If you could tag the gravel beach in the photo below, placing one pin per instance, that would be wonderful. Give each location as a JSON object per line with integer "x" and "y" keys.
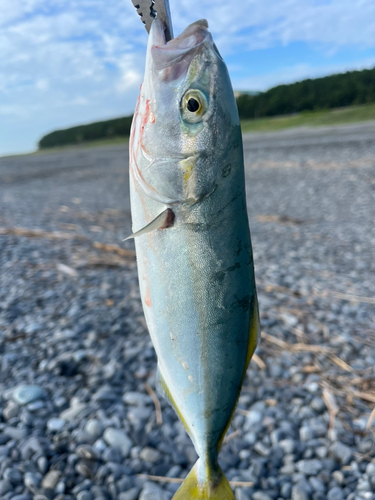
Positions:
{"x": 79, "y": 414}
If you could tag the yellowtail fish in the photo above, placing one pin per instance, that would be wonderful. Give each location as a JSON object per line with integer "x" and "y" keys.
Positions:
{"x": 192, "y": 240}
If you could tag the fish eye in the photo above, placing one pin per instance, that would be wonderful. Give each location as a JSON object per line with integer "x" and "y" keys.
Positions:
{"x": 193, "y": 106}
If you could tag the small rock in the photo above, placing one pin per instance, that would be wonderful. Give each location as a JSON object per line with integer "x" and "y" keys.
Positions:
{"x": 135, "y": 399}
{"x": 42, "y": 464}
{"x": 305, "y": 434}
{"x": 286, "y": 490}
{"x": 335, "y": 493}
{"x": 5, "y": 487}
{"x": 94, "y": 427}
{"x": 51, "y": 479}
{"x": 370, "y": 469}
{"x": 149, "y": 455}
{"x": 131, "y": 494}
{"x": 87, "y": 452}
{"x": 25, "y": 394}
{"x": 13, "y": 475}
{"x": 11, "y": 410}
{"x": 341, "y": 452}
{"x": 72, "y": 412}
{"x": 16, "y": 433}
{"x": 117, "y": 438}
{"x": 84, "y": 495}
{"x": 309, "y": 467}
{"x": 301, "y": 491}
{"x": 55, "y": 424}
{"x": 153, "y": 492}
{"x": 32, "y": 480}
{"x": 260, "y": 495}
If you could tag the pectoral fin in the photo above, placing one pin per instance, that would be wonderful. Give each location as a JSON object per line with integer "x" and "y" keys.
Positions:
{"x": 162, "y": 221}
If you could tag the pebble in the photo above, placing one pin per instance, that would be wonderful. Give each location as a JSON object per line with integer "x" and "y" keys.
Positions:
{"x": 55, "y": 424}
{"x": 25, "y": 394}
{"x": 72, "y": 412}
{"x": 118, "y": 438}
{"x": 149, "y": 455}
{"x": 51, "y": 479}
{"x": 131, "y": 494}
{"x": 341, "y": 452}
{"x": 94, "y": 427}
{"x": 32, "y": 480}
{"x": 5, "y": 486}
{"x": 335, "y": 493}
{"x": 309, "y": 467}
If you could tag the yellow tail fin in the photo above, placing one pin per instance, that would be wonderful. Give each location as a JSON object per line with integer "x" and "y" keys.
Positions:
{"x": 218, "y": 489}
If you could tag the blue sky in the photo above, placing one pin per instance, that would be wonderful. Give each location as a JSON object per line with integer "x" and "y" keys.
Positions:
{"x": 66, "y": 62}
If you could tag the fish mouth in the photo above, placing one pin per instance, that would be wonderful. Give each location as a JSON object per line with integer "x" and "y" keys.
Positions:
{"x": 182, "y": 48}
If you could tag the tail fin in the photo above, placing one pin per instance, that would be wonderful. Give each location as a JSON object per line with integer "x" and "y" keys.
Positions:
{"x": 217, "y": 489}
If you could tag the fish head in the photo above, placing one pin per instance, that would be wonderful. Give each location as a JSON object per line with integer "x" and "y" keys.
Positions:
{"x": 185, "y": 118}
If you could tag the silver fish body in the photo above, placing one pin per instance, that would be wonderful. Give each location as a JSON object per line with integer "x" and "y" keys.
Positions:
{"x": 195, "y": 268}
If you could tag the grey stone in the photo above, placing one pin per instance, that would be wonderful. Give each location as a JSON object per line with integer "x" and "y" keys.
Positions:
{"x": 131, "y": 494}
{"x": 135, "y": 399}
{"x": 73, "y": 412}
{"x": 317, "y": 484}
{"x": 301, "y": 491}
{"x": 84, "y": 495}
{"x": 35, "y": 406}
{"x": 32, "y": 480}
{"x": 149, "y": 455}
{"x": 87, "y": 452}
{"x": 341, "y": 452}
{"x": 4, "y": 451}
{"x": 13, "y": 475}
{"x": 118, "y": 438}
{"x": 335, "y": 493}
{"x": 55, "y": 424}
{"x": 152, "y": 492}
{"x": 309, "y": 467}
{"x": 60, "y": 488}
{"x": 25, "y": 394}
{"x": 305, "y": 434}
{"x": 16, "y": 433}
{"x": 318, "y": 404}
{"x": 42, "y": 464}
{"x": 370, "y": 469}
{"x": 260, "y": 495}
{"x": 21, "y": 497}
{"x": 11, "y": 410}
{"x": 254, "y": 417}
{"x": 94, "y": 427}
{"x": 112, "y": 455}
{"x": 51, "y": 479}
{"x": 5, "y": 487}
{"x": 288, "y": 445}
{"x": 286, "y": 490}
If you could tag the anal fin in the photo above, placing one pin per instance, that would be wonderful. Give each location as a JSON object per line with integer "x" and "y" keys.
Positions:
{"x": 166, "y": 393}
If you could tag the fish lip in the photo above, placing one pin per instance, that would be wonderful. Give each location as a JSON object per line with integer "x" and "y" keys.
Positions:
{"x": 167, "y": 54}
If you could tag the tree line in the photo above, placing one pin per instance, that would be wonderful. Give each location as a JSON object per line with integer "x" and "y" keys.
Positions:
{"x": 345, "y": 89}
{"x": 117, "y": 127}
{"x": 334, "y": 91}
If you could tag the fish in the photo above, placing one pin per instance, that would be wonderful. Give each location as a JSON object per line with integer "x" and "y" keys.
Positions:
{"x": 192, "y": 238}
